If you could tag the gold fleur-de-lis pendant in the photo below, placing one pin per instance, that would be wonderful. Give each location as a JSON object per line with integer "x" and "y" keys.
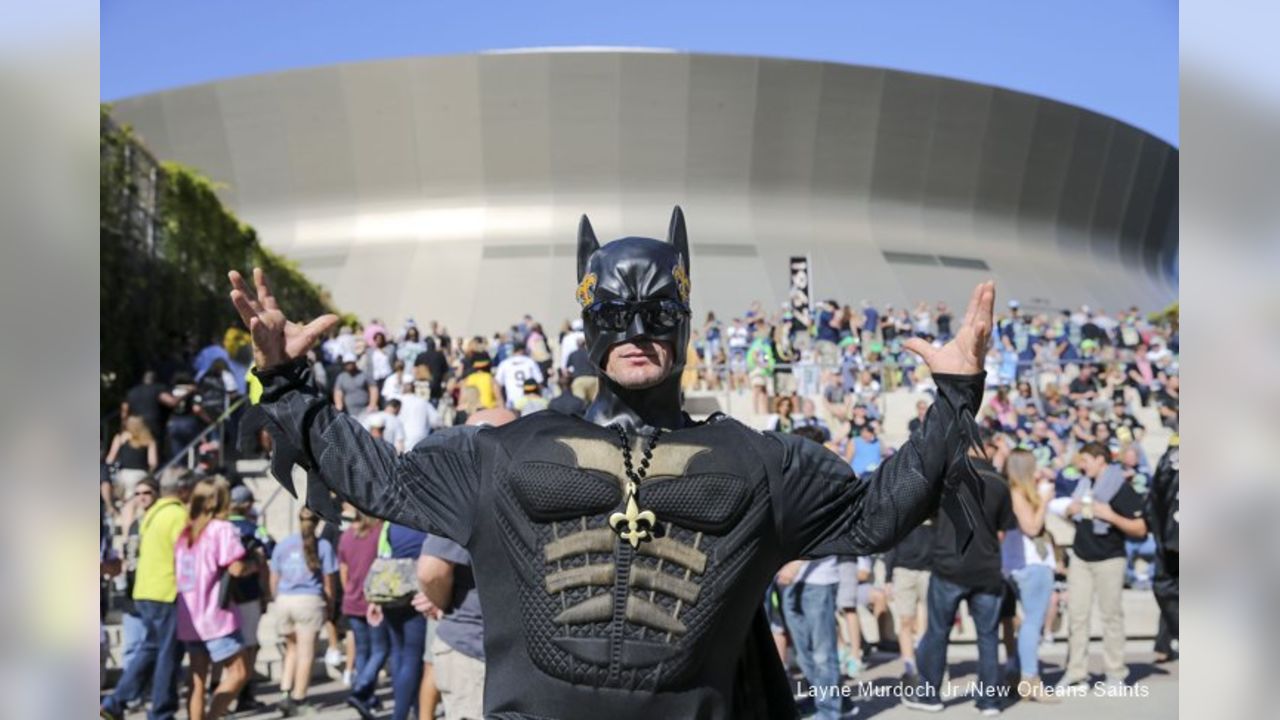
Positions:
{"x": 634, "y": 525}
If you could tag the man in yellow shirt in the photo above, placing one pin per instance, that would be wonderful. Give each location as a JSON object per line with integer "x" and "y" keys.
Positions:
{"x": 154, "y": 591}
{"x": 483, "y": 381}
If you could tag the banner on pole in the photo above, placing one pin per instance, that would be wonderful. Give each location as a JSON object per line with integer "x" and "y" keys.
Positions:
{"x": 800, "y": 293}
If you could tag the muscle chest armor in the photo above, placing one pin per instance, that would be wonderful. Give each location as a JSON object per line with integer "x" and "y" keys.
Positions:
{"x": 628, "y": 604}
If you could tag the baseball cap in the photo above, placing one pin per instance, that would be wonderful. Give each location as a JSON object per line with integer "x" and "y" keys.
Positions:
{"x": 1013, "y": 303}
{"x": 377, "y": 421}
{"x": 576, "y": 325}
{"x": 481, "y": 360}
{"x": 241, "y": 494}
{"x": 348, "y": 357}
{"x": 530, "y": 386}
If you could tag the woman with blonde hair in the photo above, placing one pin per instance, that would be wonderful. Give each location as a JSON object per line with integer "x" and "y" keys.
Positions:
{"x": 1028, "y": 560}
{"x": 302, "y": 582}
{"x": 135, "y": 449}
{"x": 208, "y": 549}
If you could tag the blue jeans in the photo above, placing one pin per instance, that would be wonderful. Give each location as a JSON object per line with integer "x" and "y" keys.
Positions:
{"x": 158, "y": 657}
{"x": 931, "y": 655}
{"x": 1134, "y": 549}
{"x": 132, "y": 631}
{"x": 810, "y": 611}
{"x": 1035, "y": 587}
{"x": 408, "y": 630}
{"x": 372, "y": 648}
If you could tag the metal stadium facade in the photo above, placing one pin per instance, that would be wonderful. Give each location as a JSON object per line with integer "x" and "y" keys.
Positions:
{"x": 450, "y": 187}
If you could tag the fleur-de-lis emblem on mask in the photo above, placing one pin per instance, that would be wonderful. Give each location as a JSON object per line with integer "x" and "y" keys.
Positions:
{"x": 587, "y": 289}
{"x": 682, "y": 281}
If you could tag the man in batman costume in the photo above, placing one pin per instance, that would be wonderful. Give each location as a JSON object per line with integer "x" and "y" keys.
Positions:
{"x": 621, "y": 559}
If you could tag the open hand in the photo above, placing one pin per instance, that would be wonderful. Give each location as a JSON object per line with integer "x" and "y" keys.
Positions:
{"x": 967, "y": 351}
{"x": 276, "y": 340}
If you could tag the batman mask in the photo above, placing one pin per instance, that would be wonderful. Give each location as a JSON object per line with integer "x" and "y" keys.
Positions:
{"x": 634, "y": 287}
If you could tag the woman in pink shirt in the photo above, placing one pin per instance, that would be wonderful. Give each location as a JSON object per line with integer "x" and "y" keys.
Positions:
{"x": 208, "y": 548}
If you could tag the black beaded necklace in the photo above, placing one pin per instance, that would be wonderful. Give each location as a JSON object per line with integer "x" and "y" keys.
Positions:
{"x": 632, "y": 474}
{"x": 635, "y": 525}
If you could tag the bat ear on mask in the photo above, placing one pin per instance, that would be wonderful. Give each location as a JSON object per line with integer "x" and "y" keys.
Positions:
{"x": 677, "y": 236}
{"x": 587, "y": 244}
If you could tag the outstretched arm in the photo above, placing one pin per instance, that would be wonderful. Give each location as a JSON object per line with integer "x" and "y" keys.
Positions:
{"x": 823, "y": 509}
{"x": 431, "y": 488}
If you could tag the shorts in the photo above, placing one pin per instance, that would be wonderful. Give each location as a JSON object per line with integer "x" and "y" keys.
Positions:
{"x": 428, "y": 656}
{"x": 217, "y": 649}
{"x": 784, "y": 383}
{"x": 299, "y": 613}
{"x": 126, "y": 481}
{"x": 910, "y": 590}
{"x": 460, "y": 679}
{"x": 250, "y": 617}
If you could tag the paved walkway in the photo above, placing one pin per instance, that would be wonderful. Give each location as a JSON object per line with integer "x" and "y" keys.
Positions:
{"x": 1153, "y": 693}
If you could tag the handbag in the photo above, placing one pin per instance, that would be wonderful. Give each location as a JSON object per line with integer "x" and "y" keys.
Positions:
{"x": 391, "y": 582}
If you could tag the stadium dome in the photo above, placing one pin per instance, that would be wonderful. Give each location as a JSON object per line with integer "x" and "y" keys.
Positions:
{"x": 451, "y": 187}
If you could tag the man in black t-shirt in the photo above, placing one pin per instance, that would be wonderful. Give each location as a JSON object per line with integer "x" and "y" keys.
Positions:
{"x": 150, "y": 400}
{"x": 1105, "y": 510}
{"x": 1084, "y": 388}
{"x": 972, "y": 575}
{"x": 437, "y": 366}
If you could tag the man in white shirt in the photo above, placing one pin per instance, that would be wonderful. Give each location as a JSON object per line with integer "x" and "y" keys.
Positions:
{"x": 417, "y": 415}
{"x": 512, "y": 373}
{"x": 569, "y": 343}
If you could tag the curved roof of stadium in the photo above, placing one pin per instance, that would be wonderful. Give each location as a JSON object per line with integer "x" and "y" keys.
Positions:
{"x": 450, "y": 187}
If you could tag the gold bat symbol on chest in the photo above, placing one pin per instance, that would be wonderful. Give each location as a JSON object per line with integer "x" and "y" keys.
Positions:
{"x": 633, "y": 525}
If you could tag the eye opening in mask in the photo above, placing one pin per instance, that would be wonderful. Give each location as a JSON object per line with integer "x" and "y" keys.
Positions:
{"x": 661, "y": 315}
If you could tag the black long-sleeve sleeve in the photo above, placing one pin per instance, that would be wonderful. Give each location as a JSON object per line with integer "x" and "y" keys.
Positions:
{"x": 821, "y": 508}
{"x": 430, "y": 488}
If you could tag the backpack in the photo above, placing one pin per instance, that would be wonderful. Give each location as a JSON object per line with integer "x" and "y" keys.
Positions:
{"x": 391, "y": 582}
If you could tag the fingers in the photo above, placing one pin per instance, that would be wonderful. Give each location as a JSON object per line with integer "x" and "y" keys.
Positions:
{"x": 919, "y": 347}
{"x": 319, "y": 327}
{"x": 971, "y": 310}
{"x": 238, "y": 285}
{"x": 264, "y": 290}
{"x": 244, "y": 306}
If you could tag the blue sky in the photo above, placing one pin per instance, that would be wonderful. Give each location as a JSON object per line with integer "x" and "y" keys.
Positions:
{"x": 1118, "y": 57}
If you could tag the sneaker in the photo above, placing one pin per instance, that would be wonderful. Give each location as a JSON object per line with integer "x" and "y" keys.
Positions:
{"x": 361, "y": 707}
{"x": 288, "y": 707}
{"x": 923, "y": 705}
{"x": 851, "y": 667}
{"x": 105, "y": 714}
{"x": 346, "y": 678}
{"x": 333, "y": 658}
{"x": 988, "y": 711}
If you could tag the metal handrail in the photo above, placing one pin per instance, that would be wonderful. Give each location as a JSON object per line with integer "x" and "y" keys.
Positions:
{"x": 189, "y": 451}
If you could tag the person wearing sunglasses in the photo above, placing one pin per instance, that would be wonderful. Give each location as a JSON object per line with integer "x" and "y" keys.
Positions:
{"x": 621, "y": 557}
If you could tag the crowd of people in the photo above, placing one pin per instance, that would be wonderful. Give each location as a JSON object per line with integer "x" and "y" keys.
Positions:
{"x": 1075, "y": 511}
